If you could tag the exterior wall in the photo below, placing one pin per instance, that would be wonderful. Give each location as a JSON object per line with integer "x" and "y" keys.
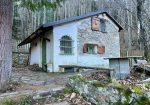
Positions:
{"x": 49, "y": 51}
{"x": 49, "y": 47}
{"x": 110, "y": 40}
{"x": 69, "y": 29}
{"x": 35, "y": 57}
{"x": 80, "y": 32}
{"x": 36, "y": 50}
{"x": 121, "y": 67}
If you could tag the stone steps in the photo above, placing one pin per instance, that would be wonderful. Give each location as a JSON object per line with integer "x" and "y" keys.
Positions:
{"x": 39, "y": 94}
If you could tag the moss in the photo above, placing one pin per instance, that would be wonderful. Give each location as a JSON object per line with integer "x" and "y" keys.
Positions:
{"x": 98, "y": 84}
{"x": 137, "y": 90}
{"x": 7, "y": 102}
{"x": 79, "y": 78}
{"x": 22, "y": 101}
{"x": 147, "y": 84}
{"x": 69, "y": 90}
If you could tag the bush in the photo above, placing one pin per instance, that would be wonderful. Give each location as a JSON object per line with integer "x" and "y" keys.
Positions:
{"x": 22, "y": 101}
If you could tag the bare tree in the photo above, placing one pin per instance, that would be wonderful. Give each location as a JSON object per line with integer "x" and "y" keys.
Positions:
{"x": 5, "y": 41}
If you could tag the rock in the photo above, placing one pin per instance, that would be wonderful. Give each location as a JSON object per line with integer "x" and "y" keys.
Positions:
{"x": 60, "y": 103}
{"x": 147, "y": 80}
{"x": 73, "y": 95}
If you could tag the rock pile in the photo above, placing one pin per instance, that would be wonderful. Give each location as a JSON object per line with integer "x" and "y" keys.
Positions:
{"x": 34, "y": 67}
{"x": 72, "y": 99}
{"x": 102, "y": 76}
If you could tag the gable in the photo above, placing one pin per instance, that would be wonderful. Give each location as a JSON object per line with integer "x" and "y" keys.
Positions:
{"x": 50, "y": 25}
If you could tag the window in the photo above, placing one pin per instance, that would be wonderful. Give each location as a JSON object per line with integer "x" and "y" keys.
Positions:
{"x": 102, "y": 25}
{"x": 93, "y": 49}
{"x": 66, "y": 45}
{"x": 90, "y": 48}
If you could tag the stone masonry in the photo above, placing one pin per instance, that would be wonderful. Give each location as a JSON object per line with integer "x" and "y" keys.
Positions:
{"x": 110, "y": 39}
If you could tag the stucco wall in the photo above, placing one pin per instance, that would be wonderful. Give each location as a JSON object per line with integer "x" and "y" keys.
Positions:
{"x": 35, "y": 57}
{"x": 49, "y": 47}
{"x": 121, "y": 67}
{"x": 36, "y": 50}
{"x": 69, "y": 29}
{"x": 110, "y": 40}
{"x": 80, "y": 32}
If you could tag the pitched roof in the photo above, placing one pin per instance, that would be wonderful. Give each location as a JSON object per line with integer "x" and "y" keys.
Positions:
{"x": 43, "y": 28}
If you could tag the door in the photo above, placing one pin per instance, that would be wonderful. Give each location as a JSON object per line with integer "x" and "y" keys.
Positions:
{"x": 44, "y": 66}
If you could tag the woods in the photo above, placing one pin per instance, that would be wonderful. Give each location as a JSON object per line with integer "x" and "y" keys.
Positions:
{"x": 6, "y": 22}
{"x": 79, "y": 52}
{"x": 131, "y": 14}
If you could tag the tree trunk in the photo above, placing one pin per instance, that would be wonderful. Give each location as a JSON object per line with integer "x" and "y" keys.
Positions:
{"x": 5, "y": 42}
{"x": 143, "y": 39}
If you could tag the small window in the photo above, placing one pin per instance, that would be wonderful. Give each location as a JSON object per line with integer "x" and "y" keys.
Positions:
{"x": 90, "y": 48}
{"x": 93, "y": 49}
{"x": 102, "y": 25}
{"x": 66, "y": 45}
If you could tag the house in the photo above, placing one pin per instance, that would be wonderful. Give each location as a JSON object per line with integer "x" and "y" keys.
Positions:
{"x": 82, "y": 41}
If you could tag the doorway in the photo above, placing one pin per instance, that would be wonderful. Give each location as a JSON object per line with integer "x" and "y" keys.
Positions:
{"x": 44, "y": 66}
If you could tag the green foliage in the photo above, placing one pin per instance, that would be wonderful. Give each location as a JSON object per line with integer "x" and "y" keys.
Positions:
{"x": 8, "y": 102}
{"x": 69, "y": 90}
{"x": 79, "y": 78}
{"x": 98, "y": 84}
{"x": 129, "y": 100}
{"x": 147, "y": 84}
{"x": 36, "y": 5}
{"x": 137, "y": 90}
{"x": 25, "y": 101}
{"x": 143, "y": 100}
{"x": 22, "y": 101}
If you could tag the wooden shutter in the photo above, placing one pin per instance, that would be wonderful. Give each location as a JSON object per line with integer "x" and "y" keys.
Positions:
{"x": 95, "y": 23}
{"x": 101, "y": 49}
{"x": 85, "y": 48}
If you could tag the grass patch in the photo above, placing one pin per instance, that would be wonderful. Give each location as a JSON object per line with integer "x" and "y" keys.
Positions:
{"x": 79, "y": 78}
{"x": 69, "y": 90}
{"x": 98, "y": 84}
{"x": 22, "y": 101}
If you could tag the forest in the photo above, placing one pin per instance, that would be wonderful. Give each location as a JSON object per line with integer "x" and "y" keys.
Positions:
{"x": 133, "y": 15}
{"x": 41, "y": 67}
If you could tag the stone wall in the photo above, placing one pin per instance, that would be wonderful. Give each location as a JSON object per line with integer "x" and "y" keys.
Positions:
{"x": 22, "y": 59}
{"x": 110, "y": 38}
{"x": 97, "y": 93}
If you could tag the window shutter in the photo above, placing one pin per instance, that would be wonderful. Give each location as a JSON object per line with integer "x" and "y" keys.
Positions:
{"x": 95, "y": 23}
{"x": 85, "y": 48}
{"x": 101, "y": 49}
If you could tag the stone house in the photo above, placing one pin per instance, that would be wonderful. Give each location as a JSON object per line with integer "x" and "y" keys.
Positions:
{"x": 80, "y": 41}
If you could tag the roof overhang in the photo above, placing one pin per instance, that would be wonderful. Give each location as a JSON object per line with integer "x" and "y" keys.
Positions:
{"x": 38, "y": 33}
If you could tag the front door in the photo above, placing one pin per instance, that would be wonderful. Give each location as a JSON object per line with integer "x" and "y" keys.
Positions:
{"x": 44, "y": 66}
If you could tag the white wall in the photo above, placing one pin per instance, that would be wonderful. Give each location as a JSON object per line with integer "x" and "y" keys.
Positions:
{"x": 35, "y": 57}
{"x": 121, "y": 67}
{"x": 110, "y": 39}
{"x": 49, "y": 47}
{"x": 36, "y": 50}
{"x": 69, "y": 29}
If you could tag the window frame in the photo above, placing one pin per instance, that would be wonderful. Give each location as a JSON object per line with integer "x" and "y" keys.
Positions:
{"x": 87, "y": 48}
{"x": 68, "y": 48}
{"x": 103, "y": 25}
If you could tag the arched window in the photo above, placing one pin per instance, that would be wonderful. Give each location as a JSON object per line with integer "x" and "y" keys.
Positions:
{"x": 66, "y": 45}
